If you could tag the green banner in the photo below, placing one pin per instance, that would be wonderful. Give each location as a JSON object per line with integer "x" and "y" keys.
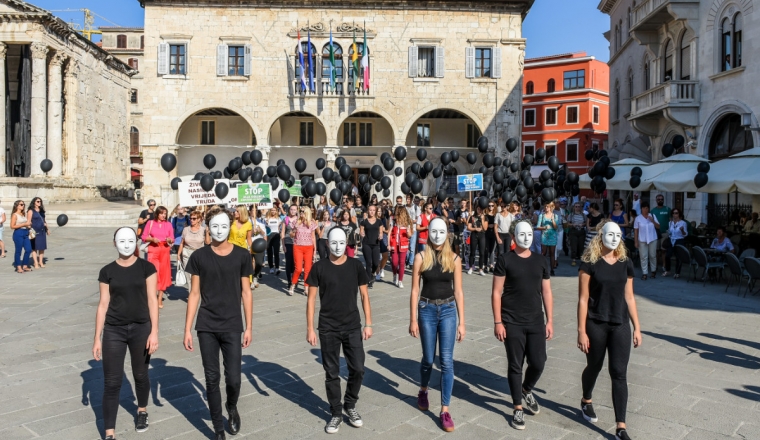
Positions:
{"x": 295, "y": 190}
{"x": 250, "y": 193}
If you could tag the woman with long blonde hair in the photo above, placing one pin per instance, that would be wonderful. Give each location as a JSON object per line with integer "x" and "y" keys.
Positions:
{"x": 400, "y": 234}
{"x": 606, "y": 308}
{"x": 304, "y": 248}
{"x": 434, "y": 312}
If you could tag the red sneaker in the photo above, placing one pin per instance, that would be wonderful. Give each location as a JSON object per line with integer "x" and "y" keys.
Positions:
{"x": 422, "y": 401}
{"x": 446, "y": 423}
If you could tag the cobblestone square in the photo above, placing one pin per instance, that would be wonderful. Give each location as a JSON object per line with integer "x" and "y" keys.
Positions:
{"x": 695, "y": 377}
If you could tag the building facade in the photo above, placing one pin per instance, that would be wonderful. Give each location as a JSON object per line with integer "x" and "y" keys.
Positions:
{"x": 565, "y": 108}
{"x": 683, "y": 68}
{"x": 64, "y": 99}
{"x": 226, "y": 77}
{"x": 128, "y": 44}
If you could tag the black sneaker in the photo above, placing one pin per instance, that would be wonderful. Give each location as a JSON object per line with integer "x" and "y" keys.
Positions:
{"x": 622, "y": 434}
{"x": 529, "y": 400}
{"x": 110, "y": 437}
{"x": 587, "y": 409}
{"x": 354, "y": 419}
{"x": 141, "y": 425}
{"x": 233, "y": 419}
{"x": 220, "y": 436}
{"x": 333, "y": 425}
{"x": 518, "y": 420}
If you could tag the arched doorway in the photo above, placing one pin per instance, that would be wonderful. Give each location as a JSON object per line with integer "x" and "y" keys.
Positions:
{"x": 365, "y": 129}
{"x": 298, "y": 129}
{"x": 446, "y": 128}
{"x": 218, "y": 131}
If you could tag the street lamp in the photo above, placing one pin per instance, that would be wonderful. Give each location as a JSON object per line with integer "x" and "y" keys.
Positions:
{"x": 747, "y": 122}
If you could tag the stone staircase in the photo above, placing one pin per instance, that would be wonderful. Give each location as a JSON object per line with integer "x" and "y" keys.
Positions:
{"x": 94, "y": 215}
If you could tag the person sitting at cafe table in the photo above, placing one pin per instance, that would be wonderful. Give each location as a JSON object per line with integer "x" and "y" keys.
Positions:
{"x": 752, "y": 225}
{"x": 721, "y": 243}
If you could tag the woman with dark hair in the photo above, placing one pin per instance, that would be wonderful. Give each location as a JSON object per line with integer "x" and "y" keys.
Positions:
{"x": 619, "y": 216}
{"x": 36, "y": 215}
{"x": 159, "y": 236}
{"x": 372, "y": 231}
{"x": 20, "y": 225}
{"x": 593, "y": 219}
{"x": 345, "y": 223}
{"x": 127, "y": 317}
{"x": 677, "y": 232}
{"x": 384, "y": 215}
{"x": 477, "y": 224}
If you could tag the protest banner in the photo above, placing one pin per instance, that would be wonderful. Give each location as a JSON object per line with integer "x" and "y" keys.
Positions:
{"x": 259, "y": 194}
{"x": 191, "y": 194}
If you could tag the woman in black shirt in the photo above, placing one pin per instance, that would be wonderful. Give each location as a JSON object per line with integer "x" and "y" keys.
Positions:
{"x": 127, "y": 317}
{"x": 345, "y": 223}
{"x": 372, "y": 232}
{"x": 434, "y": 311}
{"x": 593, "y": 219}
{"x": 477, "y": 225}
{"x": 605, "y": 306}
{"x": 490, "y": 235}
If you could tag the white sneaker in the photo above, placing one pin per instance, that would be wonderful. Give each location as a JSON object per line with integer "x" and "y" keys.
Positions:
{"x": 377, "y": 277}
{"x": 292, "y": 290}
{"x": 469, "y": 271}
{"x": 382, "y": 274}
{"x": 395, "y": 279}
{"x": 271, "y": 270}
{"x": 400, "y": 285}
{"x": 482, "y": 273}
{"x": 255, "y": 283}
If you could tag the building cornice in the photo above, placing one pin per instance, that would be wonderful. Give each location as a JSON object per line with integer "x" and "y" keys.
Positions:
{"x": 566, "y": 92}
{"x": 605, "y": 6}
{"x": 558, "y": 62}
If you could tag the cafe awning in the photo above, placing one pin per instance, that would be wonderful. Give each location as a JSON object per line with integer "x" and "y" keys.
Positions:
{"x": 659, "y": 175}
{"x": 740, "y": 172}
{"x": 622, "y": 175}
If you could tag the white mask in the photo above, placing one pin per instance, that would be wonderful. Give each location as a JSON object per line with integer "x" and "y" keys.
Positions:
{"x": 126, "y": 241}
{"x": 611, "y": 235}
{"x": 437, "y": 231}
{"x": 524, "y": 235}
{"x": 336, "y": 240}
{"x": 219, "y": 227}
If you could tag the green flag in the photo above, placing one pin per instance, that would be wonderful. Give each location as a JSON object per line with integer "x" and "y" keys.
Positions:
{"x": 332, "y": 63}
{"x": 355, "y": 61}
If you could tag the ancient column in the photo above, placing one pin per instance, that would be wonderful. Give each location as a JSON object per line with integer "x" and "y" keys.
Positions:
{"x": 55, "y": 115}
{"x": 265, "y": 150}
{"x": 69, "y": 149}
{"x": 39, "y": 105}
{"x": 3, "y": 49}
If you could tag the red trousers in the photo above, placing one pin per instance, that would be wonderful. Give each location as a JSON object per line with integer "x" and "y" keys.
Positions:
{"x": 303, "y": 257}
{"x": 398, "y": 259}
{"x": 160, "y": 256}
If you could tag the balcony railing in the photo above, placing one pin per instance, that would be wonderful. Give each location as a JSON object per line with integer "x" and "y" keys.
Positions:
{"x": 669, "y": 94}
{"x": 322, "y": 88}
{"x": 653, "y": 11}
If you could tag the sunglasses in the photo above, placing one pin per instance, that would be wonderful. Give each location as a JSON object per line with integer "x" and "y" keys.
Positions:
{"x": 152, "y": 205}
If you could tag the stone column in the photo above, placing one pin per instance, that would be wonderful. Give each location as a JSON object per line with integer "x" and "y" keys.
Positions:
{"x": 39, "y": 104}
{"x": 398, "y": 180}
{"x": 3, "y": 50}
{"x": 55, "y": 115}
{"x": 331, "y": 153}
{"x": 265, "y": 151}
{"x": 69, "y": 149}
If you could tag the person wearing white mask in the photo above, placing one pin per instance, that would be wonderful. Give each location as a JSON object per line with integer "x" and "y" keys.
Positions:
{"x": 336, "y": 280}
{"x": 606, "y": 306}
{"x": 435, "y": 310}
{"x": 220, "y": 282}
{"x": 127, "y": 317}
{"x": 521, "y": 297}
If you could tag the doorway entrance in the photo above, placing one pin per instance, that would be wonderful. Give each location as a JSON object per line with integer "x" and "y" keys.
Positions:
{"x": 355, "y": 180}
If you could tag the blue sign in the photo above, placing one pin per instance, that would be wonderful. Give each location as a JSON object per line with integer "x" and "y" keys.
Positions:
{"x": 469, "y": 182}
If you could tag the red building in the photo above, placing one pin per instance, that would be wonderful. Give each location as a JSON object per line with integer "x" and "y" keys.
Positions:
{"x": 565, "y": 107}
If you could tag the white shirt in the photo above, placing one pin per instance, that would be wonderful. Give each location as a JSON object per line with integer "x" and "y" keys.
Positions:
{"x": 2, "y": 211}
{"x": 674, "y": 229}
{"x": 637, "y": 206}
{"x": 647, "y": 231}
{"x": 504, "y": 222}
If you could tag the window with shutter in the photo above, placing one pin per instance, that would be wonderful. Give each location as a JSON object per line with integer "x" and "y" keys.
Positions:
{"x": 236, "y": 60}
{"x": 121, "y": 41}
{"x": 496, "y": 64}
{"x": 177, "y": 59}
{"x": 439, "y": 62}
{"x": 469, "y": 63}
{"x": 208, "y": 132}
{"x": 163, "y": 59}
{"x": 247, "y": 60}
{"x": 221, "y": 60}
{"x": 413, "y": 54}
{"x": 483, "y": 62}
{"x": 426, "y": 62}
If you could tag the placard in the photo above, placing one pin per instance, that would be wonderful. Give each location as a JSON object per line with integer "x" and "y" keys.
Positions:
{"x": 259, "y": 194}
{"x": 191, "y": 194}
{"x": 295, "y": 190}
{"x": 469, "y": 182}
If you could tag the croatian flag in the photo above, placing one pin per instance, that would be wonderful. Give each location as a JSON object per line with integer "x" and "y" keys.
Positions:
{"x": 300, "y": 61}
{"x": 312, "y": 87}
{"x": 365, "y": 60}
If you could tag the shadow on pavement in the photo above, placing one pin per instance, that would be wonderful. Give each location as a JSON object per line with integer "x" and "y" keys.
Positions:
{"x": 751, "y": 344}
{"x": 179, "y": 387}
{"x": 711, "y": 352}
{"x": 92, "y": 393}
{"x": 750, "y": 392}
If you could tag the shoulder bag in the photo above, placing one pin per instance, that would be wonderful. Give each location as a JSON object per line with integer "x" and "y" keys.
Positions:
{"x": 144, "y": 246}
{"x": 180, "y": 278}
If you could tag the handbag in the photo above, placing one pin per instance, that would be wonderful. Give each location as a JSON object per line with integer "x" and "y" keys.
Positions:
{"x": 32, "y": 234}
{"x": 144, "y": 246}
{"x": 180, "y": 278}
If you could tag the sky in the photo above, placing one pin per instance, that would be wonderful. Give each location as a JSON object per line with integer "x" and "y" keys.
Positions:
{"x": 551, "y": 27}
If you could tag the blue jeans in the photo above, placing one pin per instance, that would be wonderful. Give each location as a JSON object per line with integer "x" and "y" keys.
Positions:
{"x": 438, "y": 323}
{"x": 21, "y": 241}
{"x": 410, "y": 252}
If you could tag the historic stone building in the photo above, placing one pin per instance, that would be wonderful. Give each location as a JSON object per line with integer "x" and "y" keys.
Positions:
{"x": 221, "y": 76}
{"x": 64, "y": 99}
{"x": 683, "y": 67}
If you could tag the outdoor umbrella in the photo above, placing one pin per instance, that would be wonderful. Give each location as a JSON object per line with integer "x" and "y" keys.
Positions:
{"x": 622, "y": 175}
{"x": 740, "y": 172}
{"x": 662, "y": 174}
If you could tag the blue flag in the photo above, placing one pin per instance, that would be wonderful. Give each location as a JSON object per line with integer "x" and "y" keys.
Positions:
{"x": 311, "y": 67}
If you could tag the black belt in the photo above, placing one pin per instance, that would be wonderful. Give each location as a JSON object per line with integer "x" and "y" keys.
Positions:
{"x": 438, "y": 302}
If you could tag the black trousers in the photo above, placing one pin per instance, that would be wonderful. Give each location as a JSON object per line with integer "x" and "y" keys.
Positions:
{"x": 506, "y": 244}
{"x": 116, "y": 340}
{"x": 371, "y": 259}
{"x": 477, "y": 241}
{"x": 577, "y": 238}
{"x": 614, "y": 339}
{"x": 524, "y": 342}
{"x": 290, "y": 263}
{"x": 353, "y": 351}
{"x": 273, "y": 250}
{"x": 258, "y": 259}
{"x": 323, "y": 249}
{"x": 672, "y": 250}
{"x": 490, "y": 246}
{"x": 230, "y": 346}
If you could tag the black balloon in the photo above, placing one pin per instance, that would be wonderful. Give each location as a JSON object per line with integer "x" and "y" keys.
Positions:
{"x": 235, "y": 164}
{"x": 498, "y": 176}
{"x": 168, "y": 162}
{"x": 610, "y": 173}
{"x": 700, "y": 180}
{"x": 321, "y": 188}
{"x": 703, "y": 167}
{"x": 416, "y": 168}
{"x": 600, "y": 168}
{"x": 416, "y": 186}
{"x": 257, "y": 176}
{"x": 497, "y": 161}
{"x": 384, "y": 156}
{"x": 310, "y": 188}
{"x": 482, "y": 144}
{"x": 528, "y": 159}
{"x": 339, "y": 162}
{"x": 175, "y": 182}
{"x": 336, "y": 196}
{"x": 521, "y": 191}
{"x": 62, "y": 219}
{"x": 244, "y": 174}
{"x": 378, "y": 187}
{"x": 454, "y": 155}
{"x": 540, "y": 154}
{"x": 271, "y": 171}
{"x": 259, "y": 245}
{"x": 290, "y": 182}
{"x": 386, "y": 192}
{"x": 345, "y": 187}
{"x": 600, "y": 187}
{"x": 267, "y": 179}
{"x": 528, "y": 182}
{"x": 345, "y": 171}
{"x": 483, "y": 202}
{"x": 601, "y": 153}
{"x": 524, "y": 174}
{"x": 405, "y": 188}
{"x": 283, "y": 195}
{"x": 327, "y": 174}
{"x": 488, "y": 160}
{"x": 537, "y": 187}
{"x": 409, "y": 178}
{"x": 668, "y": 150}
{"x": 283, "y": 172}
{"x": 547, "y": 194}
{"x": 363, "y": 178}
{"x": 483, "y": 169}
{"x": 246, "y": 157}
{"x": 678, "y": 141}
{"x": 636, "y": 171}
{"x": 471, "y": 158}
{"x": 321, "y": 163}
{"x": 546, "y": 175}
{"x": 367, "y": 188}
{"x": 512, "y": 145}
{"x": 398, "y": 171}
{"x": 428, "y": 167}
{"x": 376, "y": 172}
{"x": 222, "y": 190}
{"x": 553, "y": 163}
{"x": 388, "y": 163}
{"x": 207, "y": 182}
{"x": 300, "y": 165}
{"x": 399, "y": 153}
{"x": 256, "y": 157}
{"x": 589, "y": 154}
{"x": 386, "y": 182}
{"x": 218, "y": 174}
{"x": 514, "y": 167}
{"x": 421, "y": 154}
{"x": 605, "y": 160}
{"x": 441, "y": 195}
{"x": 280, "y": 162}
{"x": 513, "y": 183}
{"x": 197, "y": 176}
{"x": 446, "y": 158}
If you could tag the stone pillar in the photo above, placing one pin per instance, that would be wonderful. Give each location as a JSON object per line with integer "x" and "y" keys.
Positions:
{"x": 39, "y": 105}
{"x": 3, "y": 50}
{"x": 331, "y": 153}
{"x": 55, "y": 115}
{"x": 398, "y": 180}
{"x": 69, "y": 148}
{"x": 265, "y": 150}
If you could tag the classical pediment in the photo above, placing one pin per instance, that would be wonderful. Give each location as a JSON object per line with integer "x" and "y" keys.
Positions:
{"x": 322, "y": 30}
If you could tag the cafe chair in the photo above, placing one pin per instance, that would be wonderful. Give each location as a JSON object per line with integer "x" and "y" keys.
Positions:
{"x": 736, "y": 270}
{"x": 747, "y": 253}
{"x": 704, "y": 263}
{"x": 684, "y": 256}
{"x": 753, "y": 271}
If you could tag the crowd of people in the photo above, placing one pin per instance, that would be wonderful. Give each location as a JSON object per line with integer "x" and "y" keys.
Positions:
{"x": 30, "y": 231}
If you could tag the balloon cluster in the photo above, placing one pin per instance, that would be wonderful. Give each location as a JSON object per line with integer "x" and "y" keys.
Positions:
{"x": 635, "y": 180}
{"x": 671, "y": 148}
{"x": 700, "y": 179}
{"x": 601, "y": 171}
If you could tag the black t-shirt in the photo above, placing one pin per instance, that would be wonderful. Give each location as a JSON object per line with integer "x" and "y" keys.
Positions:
{"x": 129, "y": 293}
{"x": 594, "y": 221}
{"x": 475, "y": 222}
{"x": 360, "y": 210}
{"x": 144, "y": 215}
{"x": 453, "y": 216}
{"x": 491, "y": 219}
{"x": 350, "y": 229}
{"x": 221, "y": 288}
{"x": 437, "y": 284}
{"x": 371, "y": 231}
{"x": 338, "y": 285}
{"x": 606, "y": 300}
{"x": 522, "y": 300}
